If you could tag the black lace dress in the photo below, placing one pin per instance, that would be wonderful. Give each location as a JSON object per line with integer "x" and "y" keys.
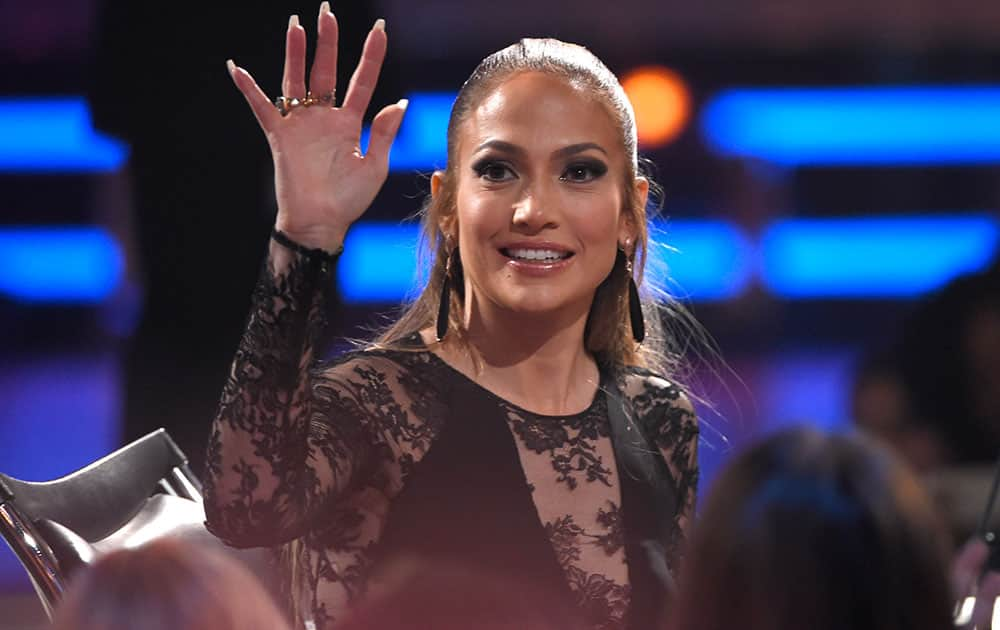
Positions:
{"x": 390, "y": 453}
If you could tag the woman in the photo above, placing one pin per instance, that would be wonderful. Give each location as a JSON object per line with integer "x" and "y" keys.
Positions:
{"x": 807, "y": 530}
{"x": 166, "y": 585}
{"x": 492, "y": 423}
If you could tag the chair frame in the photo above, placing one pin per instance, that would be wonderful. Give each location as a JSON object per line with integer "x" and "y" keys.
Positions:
{"x": 31, "y": 550}
{"x": 26, "y": 541}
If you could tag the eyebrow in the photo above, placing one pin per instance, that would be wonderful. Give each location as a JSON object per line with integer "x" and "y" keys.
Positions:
{"x": 509, "y": 147}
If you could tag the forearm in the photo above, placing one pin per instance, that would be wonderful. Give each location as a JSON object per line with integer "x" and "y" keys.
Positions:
{"x": 284, "y": 444}
{"x": 260, "y": 442}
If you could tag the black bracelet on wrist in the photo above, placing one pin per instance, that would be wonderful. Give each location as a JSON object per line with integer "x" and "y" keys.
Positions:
{"x": 316, "y": 254}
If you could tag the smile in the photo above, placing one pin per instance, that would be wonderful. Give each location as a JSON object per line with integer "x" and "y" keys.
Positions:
{"x": 535, "y": 255}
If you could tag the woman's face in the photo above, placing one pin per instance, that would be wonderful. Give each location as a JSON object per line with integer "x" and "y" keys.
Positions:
{"x": 539, "y": 197}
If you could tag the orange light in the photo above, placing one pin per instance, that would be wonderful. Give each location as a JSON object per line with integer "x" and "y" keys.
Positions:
{"x": 661, "y": 101}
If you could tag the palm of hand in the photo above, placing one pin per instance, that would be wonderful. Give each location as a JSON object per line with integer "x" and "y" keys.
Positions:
{"x": 323, "y": 182}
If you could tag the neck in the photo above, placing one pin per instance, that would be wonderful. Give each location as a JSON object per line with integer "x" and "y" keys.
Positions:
{"x": 537, "y": 361}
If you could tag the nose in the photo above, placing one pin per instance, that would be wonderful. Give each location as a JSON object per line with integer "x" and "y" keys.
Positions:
{"x": 533, "y": 212}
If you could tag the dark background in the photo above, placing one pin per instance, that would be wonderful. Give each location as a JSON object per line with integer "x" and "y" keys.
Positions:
{"x": 193, "y": 205}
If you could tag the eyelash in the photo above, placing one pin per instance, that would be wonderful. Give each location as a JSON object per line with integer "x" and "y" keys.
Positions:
{"x": 483, "y": 166}
{"x": 594, "y": 170}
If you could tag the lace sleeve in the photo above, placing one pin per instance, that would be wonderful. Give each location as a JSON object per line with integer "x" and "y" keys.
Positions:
{"x": 284, "y": 442}
{"x": 669, "y": 420}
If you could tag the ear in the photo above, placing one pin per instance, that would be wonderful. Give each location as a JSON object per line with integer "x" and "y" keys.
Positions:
{"x": 641, "y": 191}
{"x": 446, "y": 223}
{"x": 437, "y": 180}
{"x": 627, "y": 229}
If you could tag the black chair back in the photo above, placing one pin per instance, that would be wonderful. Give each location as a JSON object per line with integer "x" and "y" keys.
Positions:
{"x": 141, "y": 491}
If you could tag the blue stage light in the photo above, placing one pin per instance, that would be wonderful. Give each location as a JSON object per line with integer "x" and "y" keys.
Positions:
{"x": 64, "y": 265}
{"x": 857, "y": 126}
{"x": 895, "y": 257}
{"x": 421, "y": 144}
{"x": 379, "y": 263}
{"x": 54, "y": 135}
{"x": 700, "y": 259}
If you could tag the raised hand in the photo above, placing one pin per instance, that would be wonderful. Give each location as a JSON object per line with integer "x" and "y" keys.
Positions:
{"x": 322, "y": 180}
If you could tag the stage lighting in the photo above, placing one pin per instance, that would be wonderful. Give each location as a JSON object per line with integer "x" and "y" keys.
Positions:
{"x": 46, "y": 135}
{"x": 888, "y": 257}
{"x": 64, "y": 264}
{"x": 918, "y": 125}
{"x": 662, "y": 104}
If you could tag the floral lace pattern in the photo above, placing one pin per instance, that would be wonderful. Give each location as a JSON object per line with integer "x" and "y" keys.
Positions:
{"x": 316, "y": 454}
{"x": 604, "y": 601}
{"x": 569, "y": 442}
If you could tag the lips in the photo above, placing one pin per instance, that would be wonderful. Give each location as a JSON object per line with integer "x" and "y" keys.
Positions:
{"x": 537, "y": 259}
{"x": 535, "y": 254}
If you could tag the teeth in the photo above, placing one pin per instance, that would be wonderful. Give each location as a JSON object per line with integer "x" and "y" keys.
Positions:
{"x": 536, "y": 254}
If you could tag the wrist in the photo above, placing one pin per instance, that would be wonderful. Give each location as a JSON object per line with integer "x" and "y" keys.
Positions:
{"x": 317, "y": 254}
{"x": 323, "y": 238}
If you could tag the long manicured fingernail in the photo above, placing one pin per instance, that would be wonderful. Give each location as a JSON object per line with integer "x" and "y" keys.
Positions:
{"x": 230, "y": 66}
{"x": 404, "y": 103}
{"x": 380, "y": 25}
{"x": 293, "y": 21}
{"x": 324, "y": 7}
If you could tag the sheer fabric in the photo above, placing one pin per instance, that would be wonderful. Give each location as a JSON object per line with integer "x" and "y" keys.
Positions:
{"x": 320, "y": 452}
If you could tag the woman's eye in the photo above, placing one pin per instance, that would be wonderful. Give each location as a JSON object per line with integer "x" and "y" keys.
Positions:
{"x": 583, "y": 172}
{"x": 494, "y": 171}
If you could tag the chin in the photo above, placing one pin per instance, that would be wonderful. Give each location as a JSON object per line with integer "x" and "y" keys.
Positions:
{"x": 536, "y": 301}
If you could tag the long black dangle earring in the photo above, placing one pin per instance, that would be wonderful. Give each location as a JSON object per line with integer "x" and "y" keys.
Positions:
{"x": 444, "y": 306}
{"x": 634, "y": 305}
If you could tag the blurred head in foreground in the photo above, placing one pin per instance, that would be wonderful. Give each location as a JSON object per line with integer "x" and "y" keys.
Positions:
{"x": 808, "y": 530}
{"x": 167, "y": 585}
{"x": 434, "y": 595}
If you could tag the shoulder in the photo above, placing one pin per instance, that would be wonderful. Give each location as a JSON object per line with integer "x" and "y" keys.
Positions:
{"x": 659, "y": 404}
{"x": 387, "y": 388}
{"x": 416, "y": 368}
{"x": 359, "y": 362}
{"x": 646, "y": 390}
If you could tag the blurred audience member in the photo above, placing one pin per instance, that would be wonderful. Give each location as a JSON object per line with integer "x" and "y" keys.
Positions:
{"x": 935, "y": 395}
{"x": 167, "y": 584}
{"x": 882, "y": 406}
{"x": 950, "y": 365}
{"x": 414, "y": 596}
{"x": 808, "y": 530}
{"x": 970, "y": 579}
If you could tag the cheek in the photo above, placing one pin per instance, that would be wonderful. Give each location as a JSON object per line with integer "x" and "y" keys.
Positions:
{"x": 478, "y": 221}
{"x": 597, "y": 216}
{"x": 487, "y": 209}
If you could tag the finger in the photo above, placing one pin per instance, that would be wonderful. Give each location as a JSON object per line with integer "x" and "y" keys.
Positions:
{"x": 262, "y": 107}
{"x": 323, "y": 76}
{"x": 968, "y": 565}
{"x": 293, "y": 85}
{"x": 383, "y": 131}
{"x": 359, "y": 92}
{"x": 989, "y": 589}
